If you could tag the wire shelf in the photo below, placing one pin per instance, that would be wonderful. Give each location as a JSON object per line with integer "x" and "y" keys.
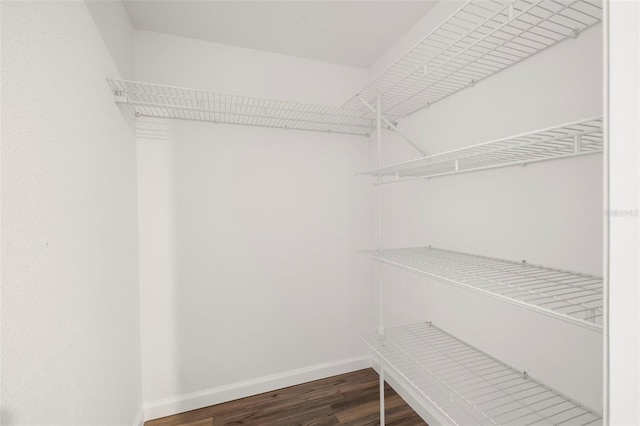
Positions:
{"x": 467, "y": 385}
{"x": 480, "y": 39}
{"x": 569, "y": 140}
{"x": 153, "y": 100}
{"x": 570, "y": 296}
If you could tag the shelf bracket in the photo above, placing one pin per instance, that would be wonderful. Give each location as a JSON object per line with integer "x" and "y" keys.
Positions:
{"x": 120, "y": 97}
{"x": 392, "y": 126}
{"x": 577, "y": 143}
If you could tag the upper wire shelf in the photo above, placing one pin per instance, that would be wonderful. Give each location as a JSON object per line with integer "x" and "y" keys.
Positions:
{"x": 568, "y": 140}
{"x": 480, "y": 39}
{"x": 154, "y": 100}
{"x": 469, "y": 387}
{"x": 570, "y": 296}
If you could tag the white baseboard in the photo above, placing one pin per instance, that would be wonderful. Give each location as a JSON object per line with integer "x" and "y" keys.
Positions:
{"x": 140, "y": 419}
{"x": 194, "y": 400}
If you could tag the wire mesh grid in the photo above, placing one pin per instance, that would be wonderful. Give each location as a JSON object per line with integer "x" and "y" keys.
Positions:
{"x": 480, "y": 39}
{"x": 574, "y": 139}
{"x": 153, "y": 100}
{"x": 469, "y": 386}
{"x": 573, "y": 297}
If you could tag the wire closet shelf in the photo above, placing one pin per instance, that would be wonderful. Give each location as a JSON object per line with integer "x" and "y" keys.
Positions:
{"x": 568, "y": 140}
{"x": 569, "y": 296}
{"x": 480, "y": 39}
{"x": 468, "y": 386}
{"x": 154, "y": 100}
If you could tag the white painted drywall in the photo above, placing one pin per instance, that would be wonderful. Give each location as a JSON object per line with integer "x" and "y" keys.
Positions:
{"x": 247, "y": 235}
{"x": 624, "y": 221}
{"x": 179, "y": 61}
{"x": 113, "y": 22}
{"x": 547, "y": 213}
{"x": 438, "y": 13}
{"x": 352, "y": 33}
{"x": 70, "y": 308}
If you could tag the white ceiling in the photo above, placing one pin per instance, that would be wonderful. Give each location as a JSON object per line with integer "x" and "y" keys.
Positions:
{"x": 354, "y": 33}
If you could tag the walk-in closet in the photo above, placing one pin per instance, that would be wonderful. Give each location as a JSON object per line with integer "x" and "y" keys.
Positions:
{"x": 320, "y": 212}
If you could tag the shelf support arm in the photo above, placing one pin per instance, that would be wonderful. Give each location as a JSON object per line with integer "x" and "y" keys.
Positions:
{"x": 392, "y": 126}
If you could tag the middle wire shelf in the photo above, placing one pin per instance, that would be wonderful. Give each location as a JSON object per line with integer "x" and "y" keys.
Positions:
{"x": 570, "y": 296}
{"x": 574, "y": 139}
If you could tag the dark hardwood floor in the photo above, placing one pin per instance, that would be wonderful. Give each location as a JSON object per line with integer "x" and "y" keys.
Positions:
{"x": 347, "y": 399}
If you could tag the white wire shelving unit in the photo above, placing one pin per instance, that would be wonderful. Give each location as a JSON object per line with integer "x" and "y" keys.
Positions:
{"x": 570, "y": 296}
{"x": 480, "y": 39}
{"x": 160, "y": 101}
{"x": 469, "y": 387}
{"x": 574, "y": 139}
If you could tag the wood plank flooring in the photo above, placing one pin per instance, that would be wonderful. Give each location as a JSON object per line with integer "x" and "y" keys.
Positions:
{"x": 347, "y": 399}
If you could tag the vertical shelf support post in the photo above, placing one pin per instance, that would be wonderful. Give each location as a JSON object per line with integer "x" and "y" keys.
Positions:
{"x": 379, "y": 242}
{"x": 379, "y": 209}
{"x": 381, "y": 392}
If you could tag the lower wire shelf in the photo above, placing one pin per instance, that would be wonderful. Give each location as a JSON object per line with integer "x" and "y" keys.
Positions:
{"x": 469, "y": 387}
{"x": 570, "y": 296}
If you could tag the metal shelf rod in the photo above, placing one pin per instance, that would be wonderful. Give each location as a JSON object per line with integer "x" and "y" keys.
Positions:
{"x": 241, "y": 114}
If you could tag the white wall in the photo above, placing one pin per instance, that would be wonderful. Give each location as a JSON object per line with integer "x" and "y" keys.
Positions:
{"x": 70, "y": 316}
{"x": 248, "y": 235}
{"x": 624, "y": 221}
{"x": 440, "y": 11}
{"x": 113, "y": 22}
{"x": 547, "y": 213}
{"x": 179, "y": 61}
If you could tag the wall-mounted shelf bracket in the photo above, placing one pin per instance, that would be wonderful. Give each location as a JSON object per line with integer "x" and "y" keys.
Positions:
{"x": 119, "y": 97}
{"x": 577, "y": 143}
{"x": 392, "y": 126}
